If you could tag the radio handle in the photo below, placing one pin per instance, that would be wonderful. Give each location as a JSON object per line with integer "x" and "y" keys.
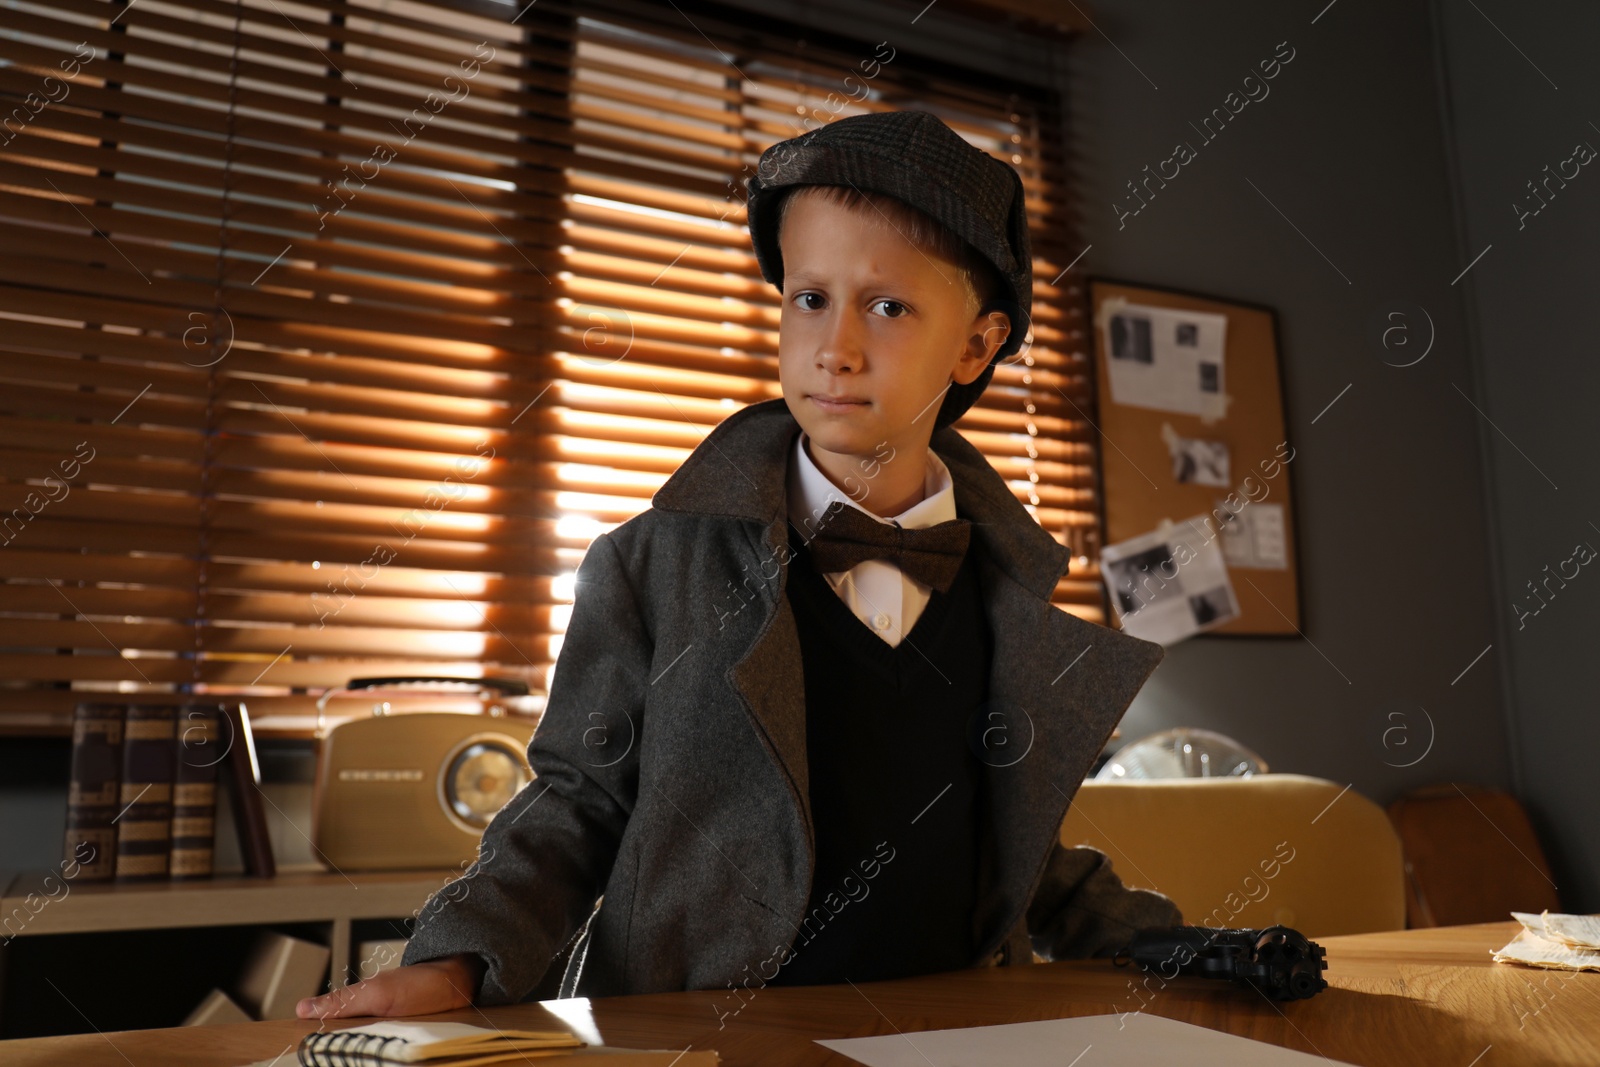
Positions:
{"x": 512, "y": 687}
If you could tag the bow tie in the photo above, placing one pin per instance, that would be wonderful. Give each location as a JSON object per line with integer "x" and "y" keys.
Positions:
{"x": 931, "y": 554}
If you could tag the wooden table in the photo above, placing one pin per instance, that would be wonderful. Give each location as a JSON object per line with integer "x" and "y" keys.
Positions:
{"x": 1409, "y": 999}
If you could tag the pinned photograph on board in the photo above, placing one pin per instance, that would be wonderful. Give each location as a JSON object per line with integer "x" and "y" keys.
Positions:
{"x": 1130, "y": 338}
{"x": 1196, "y": 461}
{"x": 1211, "y": 605}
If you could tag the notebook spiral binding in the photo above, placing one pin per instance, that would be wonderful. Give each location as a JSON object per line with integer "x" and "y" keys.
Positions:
{"x": 354, "y": 1050}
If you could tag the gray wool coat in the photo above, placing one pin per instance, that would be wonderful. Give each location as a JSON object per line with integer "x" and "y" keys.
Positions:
{"x": 671, "y": 759}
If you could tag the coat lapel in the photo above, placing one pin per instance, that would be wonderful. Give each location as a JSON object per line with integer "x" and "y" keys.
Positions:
{"x": 1057, "y": 686}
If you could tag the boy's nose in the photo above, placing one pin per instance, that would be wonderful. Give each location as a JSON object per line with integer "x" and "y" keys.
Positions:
{"x": 841, "y": 345}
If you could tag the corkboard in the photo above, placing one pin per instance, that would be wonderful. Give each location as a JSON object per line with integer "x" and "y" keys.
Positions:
{"x": 1139, "y": 487}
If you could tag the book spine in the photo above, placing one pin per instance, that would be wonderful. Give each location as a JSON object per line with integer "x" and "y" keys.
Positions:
{"x": 194, "y": 790}
{"x": 144, "y": 828}
{"x": 92, "y": 794}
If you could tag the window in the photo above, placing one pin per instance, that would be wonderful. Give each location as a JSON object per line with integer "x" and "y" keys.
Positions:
{"x": 332, "y": 331}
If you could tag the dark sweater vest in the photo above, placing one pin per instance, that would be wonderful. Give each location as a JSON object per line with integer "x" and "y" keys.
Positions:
{"x": 893, "y": 782}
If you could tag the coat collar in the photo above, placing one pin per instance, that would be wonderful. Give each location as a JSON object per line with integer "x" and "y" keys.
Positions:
{"x": 740, "y": 472}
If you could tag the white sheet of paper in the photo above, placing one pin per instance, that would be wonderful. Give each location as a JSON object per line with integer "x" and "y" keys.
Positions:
{"x": 1128, "y": 1040}
{"x": 1165, "y": 359}
{"x": 1255, "y": 537}
{"x": 1165, "y": 595}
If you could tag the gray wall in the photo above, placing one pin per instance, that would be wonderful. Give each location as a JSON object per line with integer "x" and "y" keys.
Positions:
{"x": 1391, "y": 148}
{"x": 1328, "y": 200}
{"x": 1518, "y": 105}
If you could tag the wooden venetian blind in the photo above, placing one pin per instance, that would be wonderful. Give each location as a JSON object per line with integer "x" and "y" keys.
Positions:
{"x": 331, "y": 332}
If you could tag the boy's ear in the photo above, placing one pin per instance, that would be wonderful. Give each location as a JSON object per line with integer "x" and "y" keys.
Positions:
{"x": 988, "y": 332}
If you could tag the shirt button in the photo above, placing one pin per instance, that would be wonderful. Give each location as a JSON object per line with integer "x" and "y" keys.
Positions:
{"x": 881, "y": 621}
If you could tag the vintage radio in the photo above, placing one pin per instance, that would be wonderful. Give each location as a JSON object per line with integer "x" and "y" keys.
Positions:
{"x": 415, "y": 789}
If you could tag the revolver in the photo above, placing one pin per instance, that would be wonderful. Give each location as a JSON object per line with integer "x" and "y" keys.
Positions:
{"x": 1277, "y": 960}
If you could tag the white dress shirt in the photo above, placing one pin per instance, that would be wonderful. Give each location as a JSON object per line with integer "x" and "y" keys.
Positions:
{"x": 880, "y": 594}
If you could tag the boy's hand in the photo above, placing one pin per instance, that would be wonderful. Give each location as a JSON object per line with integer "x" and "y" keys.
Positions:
{"x": 417, "y": 989}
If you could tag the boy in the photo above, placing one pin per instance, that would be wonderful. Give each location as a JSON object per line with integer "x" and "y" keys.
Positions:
{"x": 814, "y": 718}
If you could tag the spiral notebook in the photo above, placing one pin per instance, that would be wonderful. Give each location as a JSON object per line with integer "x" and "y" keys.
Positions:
{"x": 410, "y": 1042}
{"x": 460, "y": 1045}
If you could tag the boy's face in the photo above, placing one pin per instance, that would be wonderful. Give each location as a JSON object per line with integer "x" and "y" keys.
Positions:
{"x": 869, "y": 316}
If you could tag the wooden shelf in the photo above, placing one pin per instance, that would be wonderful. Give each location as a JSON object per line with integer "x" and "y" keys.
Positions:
{"x": 71, "y": 907}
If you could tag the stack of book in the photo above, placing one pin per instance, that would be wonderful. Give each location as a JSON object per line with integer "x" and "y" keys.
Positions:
{"x": 142, "y": 802}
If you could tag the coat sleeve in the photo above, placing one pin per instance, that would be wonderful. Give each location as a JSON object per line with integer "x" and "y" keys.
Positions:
{"x": 544, "y": 858}
{"x": 1082, "y": 909}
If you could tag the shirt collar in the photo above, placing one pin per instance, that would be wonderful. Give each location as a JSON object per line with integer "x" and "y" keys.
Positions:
{"x": 739, "y": 472}
{"x": 811, "y": 491}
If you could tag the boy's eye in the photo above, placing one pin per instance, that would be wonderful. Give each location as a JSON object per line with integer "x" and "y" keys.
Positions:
{"x": 898, "y": 310}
